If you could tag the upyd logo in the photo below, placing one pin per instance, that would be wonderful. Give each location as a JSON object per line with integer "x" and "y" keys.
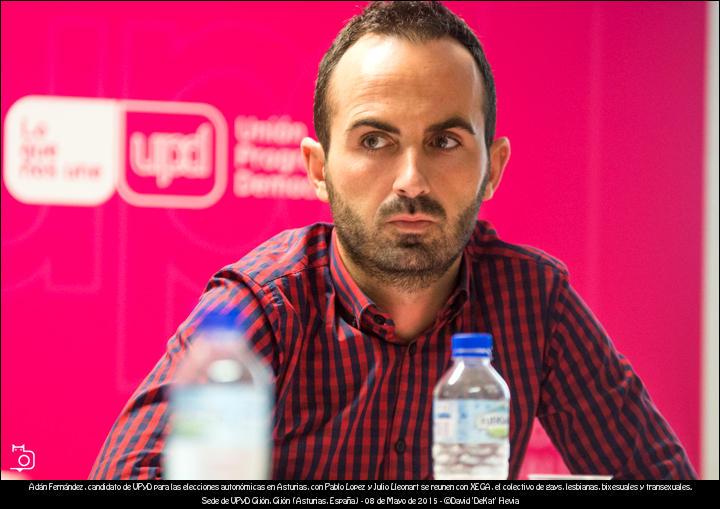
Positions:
{"x": 76, "y": 151}
{"x": 166, "y": 156}
{"x": 175, "y": 154}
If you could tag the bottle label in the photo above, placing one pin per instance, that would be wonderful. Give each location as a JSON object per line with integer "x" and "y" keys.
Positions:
{"x": 468, "y": 421}
{"x": 219, "y": 431}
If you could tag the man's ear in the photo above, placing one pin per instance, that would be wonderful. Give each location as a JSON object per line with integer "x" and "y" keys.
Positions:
{"x": 499, "y": 157}
{"x": 314, "y": 157}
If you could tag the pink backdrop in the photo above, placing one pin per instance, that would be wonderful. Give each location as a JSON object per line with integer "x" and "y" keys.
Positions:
{"x": 602, "y": 104}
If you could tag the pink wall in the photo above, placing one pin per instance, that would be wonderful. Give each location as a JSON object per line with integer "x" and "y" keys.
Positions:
{"x": 602, "y": 104}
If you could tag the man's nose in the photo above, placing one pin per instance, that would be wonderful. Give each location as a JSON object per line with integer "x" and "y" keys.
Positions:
{"x": 411, "y": 180}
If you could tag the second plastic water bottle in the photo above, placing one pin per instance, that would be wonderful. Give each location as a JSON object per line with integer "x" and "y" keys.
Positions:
{"x": 471, "y": 414}
{"x": 220, "y": 402}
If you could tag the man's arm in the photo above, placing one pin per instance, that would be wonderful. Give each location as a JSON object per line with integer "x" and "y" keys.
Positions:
{"x": 133, "y": 449}
{"x": 596, "y": 409}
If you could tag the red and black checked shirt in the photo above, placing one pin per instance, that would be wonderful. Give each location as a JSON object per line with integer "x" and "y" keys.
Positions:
{"x": 355, "y": 402}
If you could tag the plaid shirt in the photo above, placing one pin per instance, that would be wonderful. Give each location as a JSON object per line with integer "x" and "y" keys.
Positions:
{"x": 353, "y": 401}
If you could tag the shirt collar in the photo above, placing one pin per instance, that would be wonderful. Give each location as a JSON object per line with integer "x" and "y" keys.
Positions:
{"x": 348, "y": 292}
{"x": 462, "y": 290}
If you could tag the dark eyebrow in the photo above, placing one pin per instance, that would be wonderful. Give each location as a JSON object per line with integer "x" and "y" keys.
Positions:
{"x": 452, "y": 122}
{"x": 377, "y": 124}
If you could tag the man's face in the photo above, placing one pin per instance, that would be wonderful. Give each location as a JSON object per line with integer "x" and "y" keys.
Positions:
{"x": 407, "y": 165}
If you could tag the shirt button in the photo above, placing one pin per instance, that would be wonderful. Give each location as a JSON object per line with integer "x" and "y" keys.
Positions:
{"x": 413, "y": 349}
{"x": 379, "y": 319}
{"x": 400, "y": 446}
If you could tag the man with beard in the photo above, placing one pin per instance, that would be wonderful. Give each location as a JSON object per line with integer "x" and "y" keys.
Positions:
{"x": 355, "y": 318}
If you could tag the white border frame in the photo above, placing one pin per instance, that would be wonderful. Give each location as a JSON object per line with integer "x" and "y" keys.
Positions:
{"x": 711, "y": 303}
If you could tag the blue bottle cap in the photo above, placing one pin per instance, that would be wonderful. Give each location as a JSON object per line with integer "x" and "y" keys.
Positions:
{"x": 220, "y": 319}
{"x": 474, "y": 344}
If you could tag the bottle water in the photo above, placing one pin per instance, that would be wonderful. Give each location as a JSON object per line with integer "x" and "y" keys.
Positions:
{"x": 220, "y": 407}
{"x": 471, "y": 414}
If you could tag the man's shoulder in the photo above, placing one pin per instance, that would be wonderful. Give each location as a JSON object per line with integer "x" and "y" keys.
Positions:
{"x": 485, "y": 244}
{"x": 289, "y": 252}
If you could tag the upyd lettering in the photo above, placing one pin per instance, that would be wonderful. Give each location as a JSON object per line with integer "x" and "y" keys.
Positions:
{"x": 167, "y": 156}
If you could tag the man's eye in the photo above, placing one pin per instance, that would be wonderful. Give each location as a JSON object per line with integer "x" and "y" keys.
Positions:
{"x": 373, "y": 142}
{"x": 446, "y": 142}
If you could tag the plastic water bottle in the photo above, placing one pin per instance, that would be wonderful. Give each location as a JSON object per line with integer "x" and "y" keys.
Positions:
{"x": 471, "y": 414}
{"x": 220, "y": 403}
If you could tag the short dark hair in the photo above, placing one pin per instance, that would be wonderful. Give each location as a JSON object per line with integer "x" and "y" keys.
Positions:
{"x": 416, "y": 22}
